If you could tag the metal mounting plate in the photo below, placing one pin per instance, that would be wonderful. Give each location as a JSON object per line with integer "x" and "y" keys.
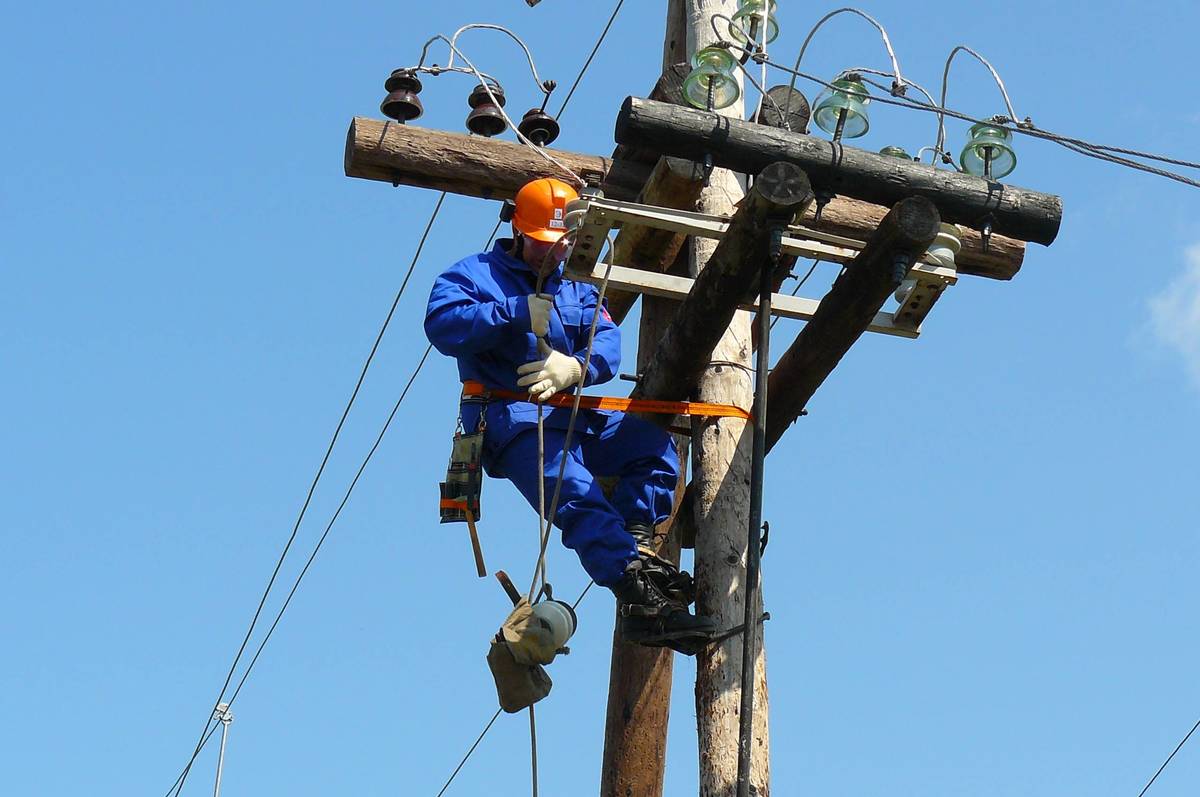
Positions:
{"x": 604, "y": 214}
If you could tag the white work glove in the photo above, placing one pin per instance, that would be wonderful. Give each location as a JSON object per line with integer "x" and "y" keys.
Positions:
{"x": 550, "y": 375}
{"x": 539, "y": 313}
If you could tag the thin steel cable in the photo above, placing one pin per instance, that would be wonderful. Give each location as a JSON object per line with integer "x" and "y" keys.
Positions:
{"x": 1172, "y": 755}
{"x": 591, "y": 583}
{"x": 539, "y": 569}
{"x": 312, "y": 487}
{"x": 962, "y": 48}
{"x": 588, "y": 62}
{"x": 184, "y": 773}
{"x": 887, "y": 43}
{"x": 799, "y": 285}
{"x": 1089, "y": 149}
{"x": 333, "y": 519}
{"x": 345, "y": 499}
{"x": 458, "y": 768}
{"x": 489, "y": 26}
{"x": 533, "y": 750}
{"x": 453, "y": 40}
{"x": 1098, "y": 151}
{"x": 320, "y": 542}
{"x": 487, "y": 82}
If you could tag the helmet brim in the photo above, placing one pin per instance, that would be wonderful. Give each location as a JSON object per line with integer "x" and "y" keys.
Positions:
{"x": 542, "y": 234}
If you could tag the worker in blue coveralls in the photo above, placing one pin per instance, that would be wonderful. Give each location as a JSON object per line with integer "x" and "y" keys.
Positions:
{"x": 515, "y": 347}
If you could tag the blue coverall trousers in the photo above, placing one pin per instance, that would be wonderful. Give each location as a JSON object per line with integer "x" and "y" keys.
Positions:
{"x": 643, "y": 458}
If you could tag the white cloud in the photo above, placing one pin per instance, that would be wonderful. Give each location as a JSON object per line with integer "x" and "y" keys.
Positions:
{"x": 1175, "y": 313}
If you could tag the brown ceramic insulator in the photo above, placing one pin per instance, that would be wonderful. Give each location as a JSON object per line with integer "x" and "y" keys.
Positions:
{"x": 402, "y": 103}
{"x": 485, "y": 118}
{"x": 538, "y": 126}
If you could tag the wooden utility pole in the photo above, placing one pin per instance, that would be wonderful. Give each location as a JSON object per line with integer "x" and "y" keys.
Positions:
{"x": 699, "y": 345}
{"x": 721, "y": 452}
{"x": 640, "y": 678}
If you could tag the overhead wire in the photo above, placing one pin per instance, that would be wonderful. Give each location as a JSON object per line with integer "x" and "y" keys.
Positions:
{"x": 209, "y": 731}
{"x": 204, "y": 734}
{"x": 345, "y": 499}
{"x": 312, "y": 557}
{"x": 1172, "y": 755}
{"x": 588, "y": 62}
{"x": 799, "y": 285}
{"x": 544, "y": 533}
{"x": 1092, "y": 150}
{"x": 887, "y": 43}
{"x": 962, "y": 48}
{"x": 486, "y": 85}
{"x": 539, "y": 568}
{"x": 470, "y": 750}
{"x": 484, "y": 79}
{"x": 898, "y": 98}
{"x": 1098, "y": 151}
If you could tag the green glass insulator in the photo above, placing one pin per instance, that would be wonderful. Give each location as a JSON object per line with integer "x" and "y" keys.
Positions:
{"x": 749, "y": 18}
{"x": 896, "y": 152}
{"x": 849, "y": 95}
{"x": 711, "y": 80}
{"x": 989, "y": 151}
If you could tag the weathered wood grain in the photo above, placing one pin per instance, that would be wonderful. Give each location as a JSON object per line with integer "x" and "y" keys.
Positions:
{"x": 748, "y": 147}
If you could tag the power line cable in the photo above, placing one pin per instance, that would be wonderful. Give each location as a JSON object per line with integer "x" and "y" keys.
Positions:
{"x": 1089, "y": 149}
{"x": 458, "y": 768}
{"x": 588, "y": 62}
{"x": 1172, "y": 755}
{"x": 204, "y": 734}
{"x": 316, "y": 549}
{"x": 177, "y": 787}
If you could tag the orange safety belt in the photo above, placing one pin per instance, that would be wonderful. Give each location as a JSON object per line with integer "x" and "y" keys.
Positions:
{"x": 472, "y": 389}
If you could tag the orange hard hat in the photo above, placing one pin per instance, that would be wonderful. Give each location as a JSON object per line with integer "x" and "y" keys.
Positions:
{"x": 542, "y": 208}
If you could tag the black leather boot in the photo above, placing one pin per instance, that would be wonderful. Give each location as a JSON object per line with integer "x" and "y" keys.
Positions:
{"x": 651, "y": 616}
{"x": 677, "y": 584}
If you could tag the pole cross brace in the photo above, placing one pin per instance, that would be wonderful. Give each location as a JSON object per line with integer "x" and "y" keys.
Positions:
{"x": 603, "y": 214}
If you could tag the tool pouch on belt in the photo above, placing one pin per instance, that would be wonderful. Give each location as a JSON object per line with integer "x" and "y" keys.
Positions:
{"x": 464, "y": 479}
{"x": 516, "y": 657}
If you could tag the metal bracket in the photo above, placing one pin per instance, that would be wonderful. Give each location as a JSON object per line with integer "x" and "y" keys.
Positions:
{"x": 603, "y": 214}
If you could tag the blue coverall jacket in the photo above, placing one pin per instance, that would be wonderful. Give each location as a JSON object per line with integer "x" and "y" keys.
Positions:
{"x": 478, "y": 313}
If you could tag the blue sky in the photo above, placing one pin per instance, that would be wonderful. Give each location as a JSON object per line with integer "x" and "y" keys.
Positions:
{"x": 984, "y": 545}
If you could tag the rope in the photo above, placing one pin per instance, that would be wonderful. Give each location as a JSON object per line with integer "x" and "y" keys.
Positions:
{"x": 544, "y": 528}
{"x": 539, "y": 570}
{"x": 206, "y": 734}
{"x": 588, "y": 62}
